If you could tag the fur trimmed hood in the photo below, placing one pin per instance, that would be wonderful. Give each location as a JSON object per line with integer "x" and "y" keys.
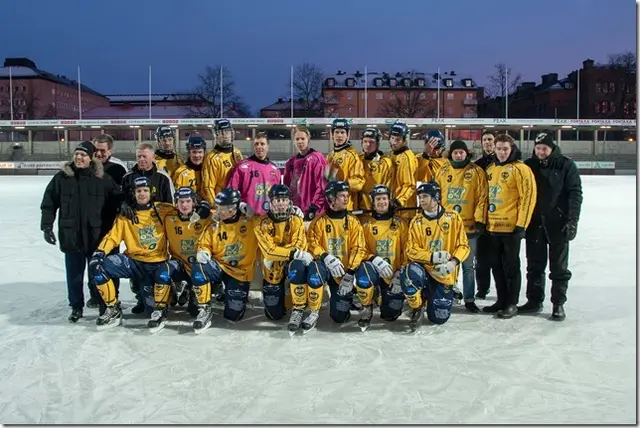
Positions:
{"x": 95, "y": 166}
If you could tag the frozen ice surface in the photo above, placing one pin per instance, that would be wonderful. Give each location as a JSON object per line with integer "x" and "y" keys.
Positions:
{"x": 475, "y": 369}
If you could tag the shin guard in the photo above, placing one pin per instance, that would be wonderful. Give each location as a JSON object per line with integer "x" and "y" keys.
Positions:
{"x": 108, "y": 292}
{"x": 298, "y": 295}
{"x": 314, "y": 298}
{"x": 161, "y": 295}
{"x": 202, "y": 293}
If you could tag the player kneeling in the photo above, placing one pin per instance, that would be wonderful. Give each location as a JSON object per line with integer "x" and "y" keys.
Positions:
{"x": 385, "y": 236}
{"x": 283, "y": 243}
{"x": 183, "y": 228}
{"x": 337, "y": 242}
{"x": 226, "y": 252}
{"x": 436, "y": 246}
{"x": 146, "y": 252}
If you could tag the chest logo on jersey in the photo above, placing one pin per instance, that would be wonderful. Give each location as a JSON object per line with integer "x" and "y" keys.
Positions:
{"x": 435, "y": 245}
{"x": 372, "y": 167}
{"x": 188, "y": 247}
{"x": 445, "y": 227}
{"x": 505, "y": 176}
{"x": 147, "y": 236}
{"x": 243, "y": 229}
{"x": 384, "y": 248}
{"x": 468, "y": 176}
{"x": 456, "y": 195}
{"x": 336, "y": 246}
{"x": 232, "y": 253}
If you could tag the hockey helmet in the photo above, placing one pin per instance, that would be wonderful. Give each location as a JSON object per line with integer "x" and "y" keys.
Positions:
{"x": 372, "y": 133}
{"x": 430, "y": 188}
{"x": 141, "y": 181}
{"x": 434, "y": 133}
{"x": 340, "y": 124}
{"x": 224, "y": 133}
{"x": 280, "y": 191}
{"x": 228, "y": 197}
{"x": 185, "y": 192}
{"x": 163, "y": 132}
{"x": 335, "y": 187}
{"x": 379, "y": 189}
{"x": 196, "y": 142}
{"x": 400, "y": 129}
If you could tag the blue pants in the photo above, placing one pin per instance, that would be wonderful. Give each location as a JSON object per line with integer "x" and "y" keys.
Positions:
{"x": 236, "y": 292}
{"x": 75, "y": 264}
{"x": 122, "y": 266}
{"x": 339, "y": 306}
{"x": 391, "y": 305}
{"x": 468, "y": 271}
{"x": 439, "y": 297}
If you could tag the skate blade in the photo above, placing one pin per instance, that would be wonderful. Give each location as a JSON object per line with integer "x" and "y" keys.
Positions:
{"x": 364, "y": 328}
{"x": 104, "y": 327}
{"x": 292, "y": 333}
{"x": 156, "y": 329}
{"x": 200, "y": 330}
{"x": 306, "y": 331}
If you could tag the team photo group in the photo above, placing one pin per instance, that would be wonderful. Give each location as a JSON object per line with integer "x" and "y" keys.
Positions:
{"x": 380, "y": 229}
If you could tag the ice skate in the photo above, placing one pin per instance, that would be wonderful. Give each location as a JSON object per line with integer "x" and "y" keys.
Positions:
{"x": 112, "y": 317}
{"x": 203, "y": 320}
{"x": 457, "y": 294}
{"x": 415, "y": 319}
{"x": 76, "y": 314}
{"x": 365, "y": 317}
{"x": 310, "y": 321}
{"x": 158, "y": 320}
{"x": 295, "y": 321}
{"x": 182, "y": 292}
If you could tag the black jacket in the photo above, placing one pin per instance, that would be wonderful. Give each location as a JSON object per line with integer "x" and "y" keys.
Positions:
{"x": 559, "y": 190}
{"x": 116, "y": 171}
{"x": 485, "y": 160}
{"x": 162, "y": 191}
{"x": 78, "y": 196}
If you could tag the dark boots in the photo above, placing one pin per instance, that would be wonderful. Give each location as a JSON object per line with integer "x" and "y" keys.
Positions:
{"x": 558, "y": 313}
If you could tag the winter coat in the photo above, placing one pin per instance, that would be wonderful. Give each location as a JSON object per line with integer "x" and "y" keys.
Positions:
{"x": 78, "y": 197}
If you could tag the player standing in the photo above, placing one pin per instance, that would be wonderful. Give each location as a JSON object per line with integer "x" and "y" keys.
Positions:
{"x": 166, "y": 157}
{"x": 431, "y": 159}
{"x": 343, "y": 163}
{"x": 483, "y": 264}
{"x": 378, "y": 168}
{"x": 190, "y": 174}
{"x": 218, "y": 164}
{"x": 403, "y": 185}
{"x": 436, "y": 246}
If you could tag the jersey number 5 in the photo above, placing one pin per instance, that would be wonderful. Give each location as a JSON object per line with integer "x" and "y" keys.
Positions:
{"x": 374, "y": 230}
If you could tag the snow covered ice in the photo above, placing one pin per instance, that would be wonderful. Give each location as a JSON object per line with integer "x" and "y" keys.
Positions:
{"x": 474, "y": 369}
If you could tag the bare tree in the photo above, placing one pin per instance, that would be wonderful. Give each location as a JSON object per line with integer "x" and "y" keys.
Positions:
{"x": 504, "y": 81}
{"x": 28, "y": 105}
{"x": 625, "y": 94}
{"x": 307, "y": 90}
{"x": 211, "y": 95}
{"x": 408, "y": 103}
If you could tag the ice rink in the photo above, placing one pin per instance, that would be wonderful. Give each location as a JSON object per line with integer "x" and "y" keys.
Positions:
{"x": 475, "y": 369}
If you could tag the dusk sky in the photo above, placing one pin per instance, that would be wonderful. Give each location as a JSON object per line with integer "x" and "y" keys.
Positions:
{"x": 115, "y": 41}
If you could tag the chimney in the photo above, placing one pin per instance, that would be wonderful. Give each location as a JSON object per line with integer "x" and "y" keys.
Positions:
{"x": 280, "y": 100}
{"x": 588, "y": 63}
{"x": 528, "y": 85}
{"x": 549, "y": 78}
{"x": 19, "y": 62}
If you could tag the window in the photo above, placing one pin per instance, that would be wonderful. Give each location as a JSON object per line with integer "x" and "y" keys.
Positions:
{"x": 568, "y": 85}
{"x": 434, "y": 95}
{"x": 421, "y": 82}
{"x": 470, "y": 96}
{"x": 349, "y": 95}
{"x": 448, "y": 83}
{"x": 393, "y": 83}
{"x": 377, "y": 81}
{"x": 53, "y": 91}
{"x": 406, "y": 97}
{"x": 362, "y": 95}
{"x": 392, "y": 96}
{"x": 450, "y": 95}
{"x": 612, "y": 87}
{"x": 612, "y": 107}
{"x": 423, "y": 96}
{"x": 599, "y": 87}
{"x": 597, "y": 108}
{"x": 634, "y": 108}
{"x": 379, "y": 96}
{"x": 24, "y": 88}
{"x": 21, "y": 116}
{"x": 605, "y": 88}
{"x": 604, "y": 107}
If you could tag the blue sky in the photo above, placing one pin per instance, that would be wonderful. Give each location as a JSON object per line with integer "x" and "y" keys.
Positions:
{"x": 114, "y": 42}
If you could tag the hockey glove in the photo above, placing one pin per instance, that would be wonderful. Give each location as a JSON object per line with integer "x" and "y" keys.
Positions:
{"x": 202, "y": 211}
{"x": 383, "y": 267}
{"x": 481, "y": 229}
{"x": 334, "y": 266}
{"x": 395, "y": 287}
{"x": 346, "y": 285}
{"x": 128, "y": 211}
{"x": 445, "y": 269}
{"x": 312, "y": 213}
{"x": 395, "y": 204}
{"x": 439, "y": 257}
{"x": 304, "y": 256}
{"x": 96, "y": 258}
{"x": 246, "y": 209}
{"x": 203, "y": 257}
{"x": 50, "y": 237}
{"x": 570, "y": 230}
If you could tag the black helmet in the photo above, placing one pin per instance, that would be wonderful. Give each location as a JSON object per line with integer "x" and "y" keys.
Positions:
{"x": 379, "y": 189}
{"x": 372, "y": 133}
{"x": 430, "y": 188}
{"x": 228, "y": 196}
{"x": 278, "y": 191}
{"x": 335, "y": 187}
{"x": 185, "y": 192}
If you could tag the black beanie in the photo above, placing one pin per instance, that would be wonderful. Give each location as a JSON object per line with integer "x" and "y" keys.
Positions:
{"x": 546, "y": 139}
{"x": 86, "y": 147}
{"x": 457, "y": 145}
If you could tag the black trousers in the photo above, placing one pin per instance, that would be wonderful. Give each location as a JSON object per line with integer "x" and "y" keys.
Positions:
{"x": 547, "y": 243}
{"x": 483, "y": 264}
{"x": 504, "y": 254}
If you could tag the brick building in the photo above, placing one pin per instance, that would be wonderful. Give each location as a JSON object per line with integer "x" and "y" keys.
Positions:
{"x": 38, "y": 94}
{"x": 155, "y": 100}
{"x": 282, "y": 108}
{"x": 409, "y": 94}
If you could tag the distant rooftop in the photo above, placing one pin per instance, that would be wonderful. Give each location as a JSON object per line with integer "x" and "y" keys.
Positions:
{"x": 142, "y": 112}
{"x": 285, "y": 105}
{"x": 448, "y": 80}
{"x": 24, "y": 68}
{"x": 155, "y": 98}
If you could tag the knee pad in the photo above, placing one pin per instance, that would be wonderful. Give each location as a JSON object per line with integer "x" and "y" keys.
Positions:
{"x": 99, "y": 275}
{"x": 440, "y": 310}
{"x": 163, "y": 277}
{"x": 366, "y": 275}
{"x": 315, "y": 277}
{"x": 412, "y": 278}
{"x": 235, "y": 303}
{"x": 198, "y": 277}
{"x": 297, "y": 273}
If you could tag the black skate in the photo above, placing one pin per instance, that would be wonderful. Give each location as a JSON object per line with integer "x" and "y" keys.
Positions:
{"x": 310, "y": 321}
{"x": 415, "y": 319}
{"x": 457, "y": 294}
{"x": 295, "y": 321}
{"x": 183, "y": 293}
{"x": 138, "y": 308}
{"x": 365, "y": 317}
{"x": 158, "y": 320}
{"x": 112, "y": 317}
{"x": 76, "y": 314}
{"x": 203, "y": 320}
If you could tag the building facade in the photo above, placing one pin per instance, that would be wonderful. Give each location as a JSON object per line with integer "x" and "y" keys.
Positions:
{"x": 37, "y": 94}
{"x": 409, "y": 94}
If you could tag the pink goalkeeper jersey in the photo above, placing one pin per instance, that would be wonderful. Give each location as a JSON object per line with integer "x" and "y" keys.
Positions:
{"x": 253, "y": 178}
{"x": 304, "y": 175}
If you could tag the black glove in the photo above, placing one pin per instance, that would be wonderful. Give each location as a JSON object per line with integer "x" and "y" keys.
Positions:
{"x": 128, "y": 211}
{"x": 519, "y": 232}
{"x": 50, "y": 237}
{"x": 481, "y": 229}
{"x": 311, "y": 213}
{"x": 96, "y": 258}
{"x": 203, "y": 209}
{"x": 570, "y": 230}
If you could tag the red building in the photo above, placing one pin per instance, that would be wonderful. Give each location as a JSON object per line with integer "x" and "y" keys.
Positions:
{"x": 409, "y": 94}
{"x": 38, "y": 94}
